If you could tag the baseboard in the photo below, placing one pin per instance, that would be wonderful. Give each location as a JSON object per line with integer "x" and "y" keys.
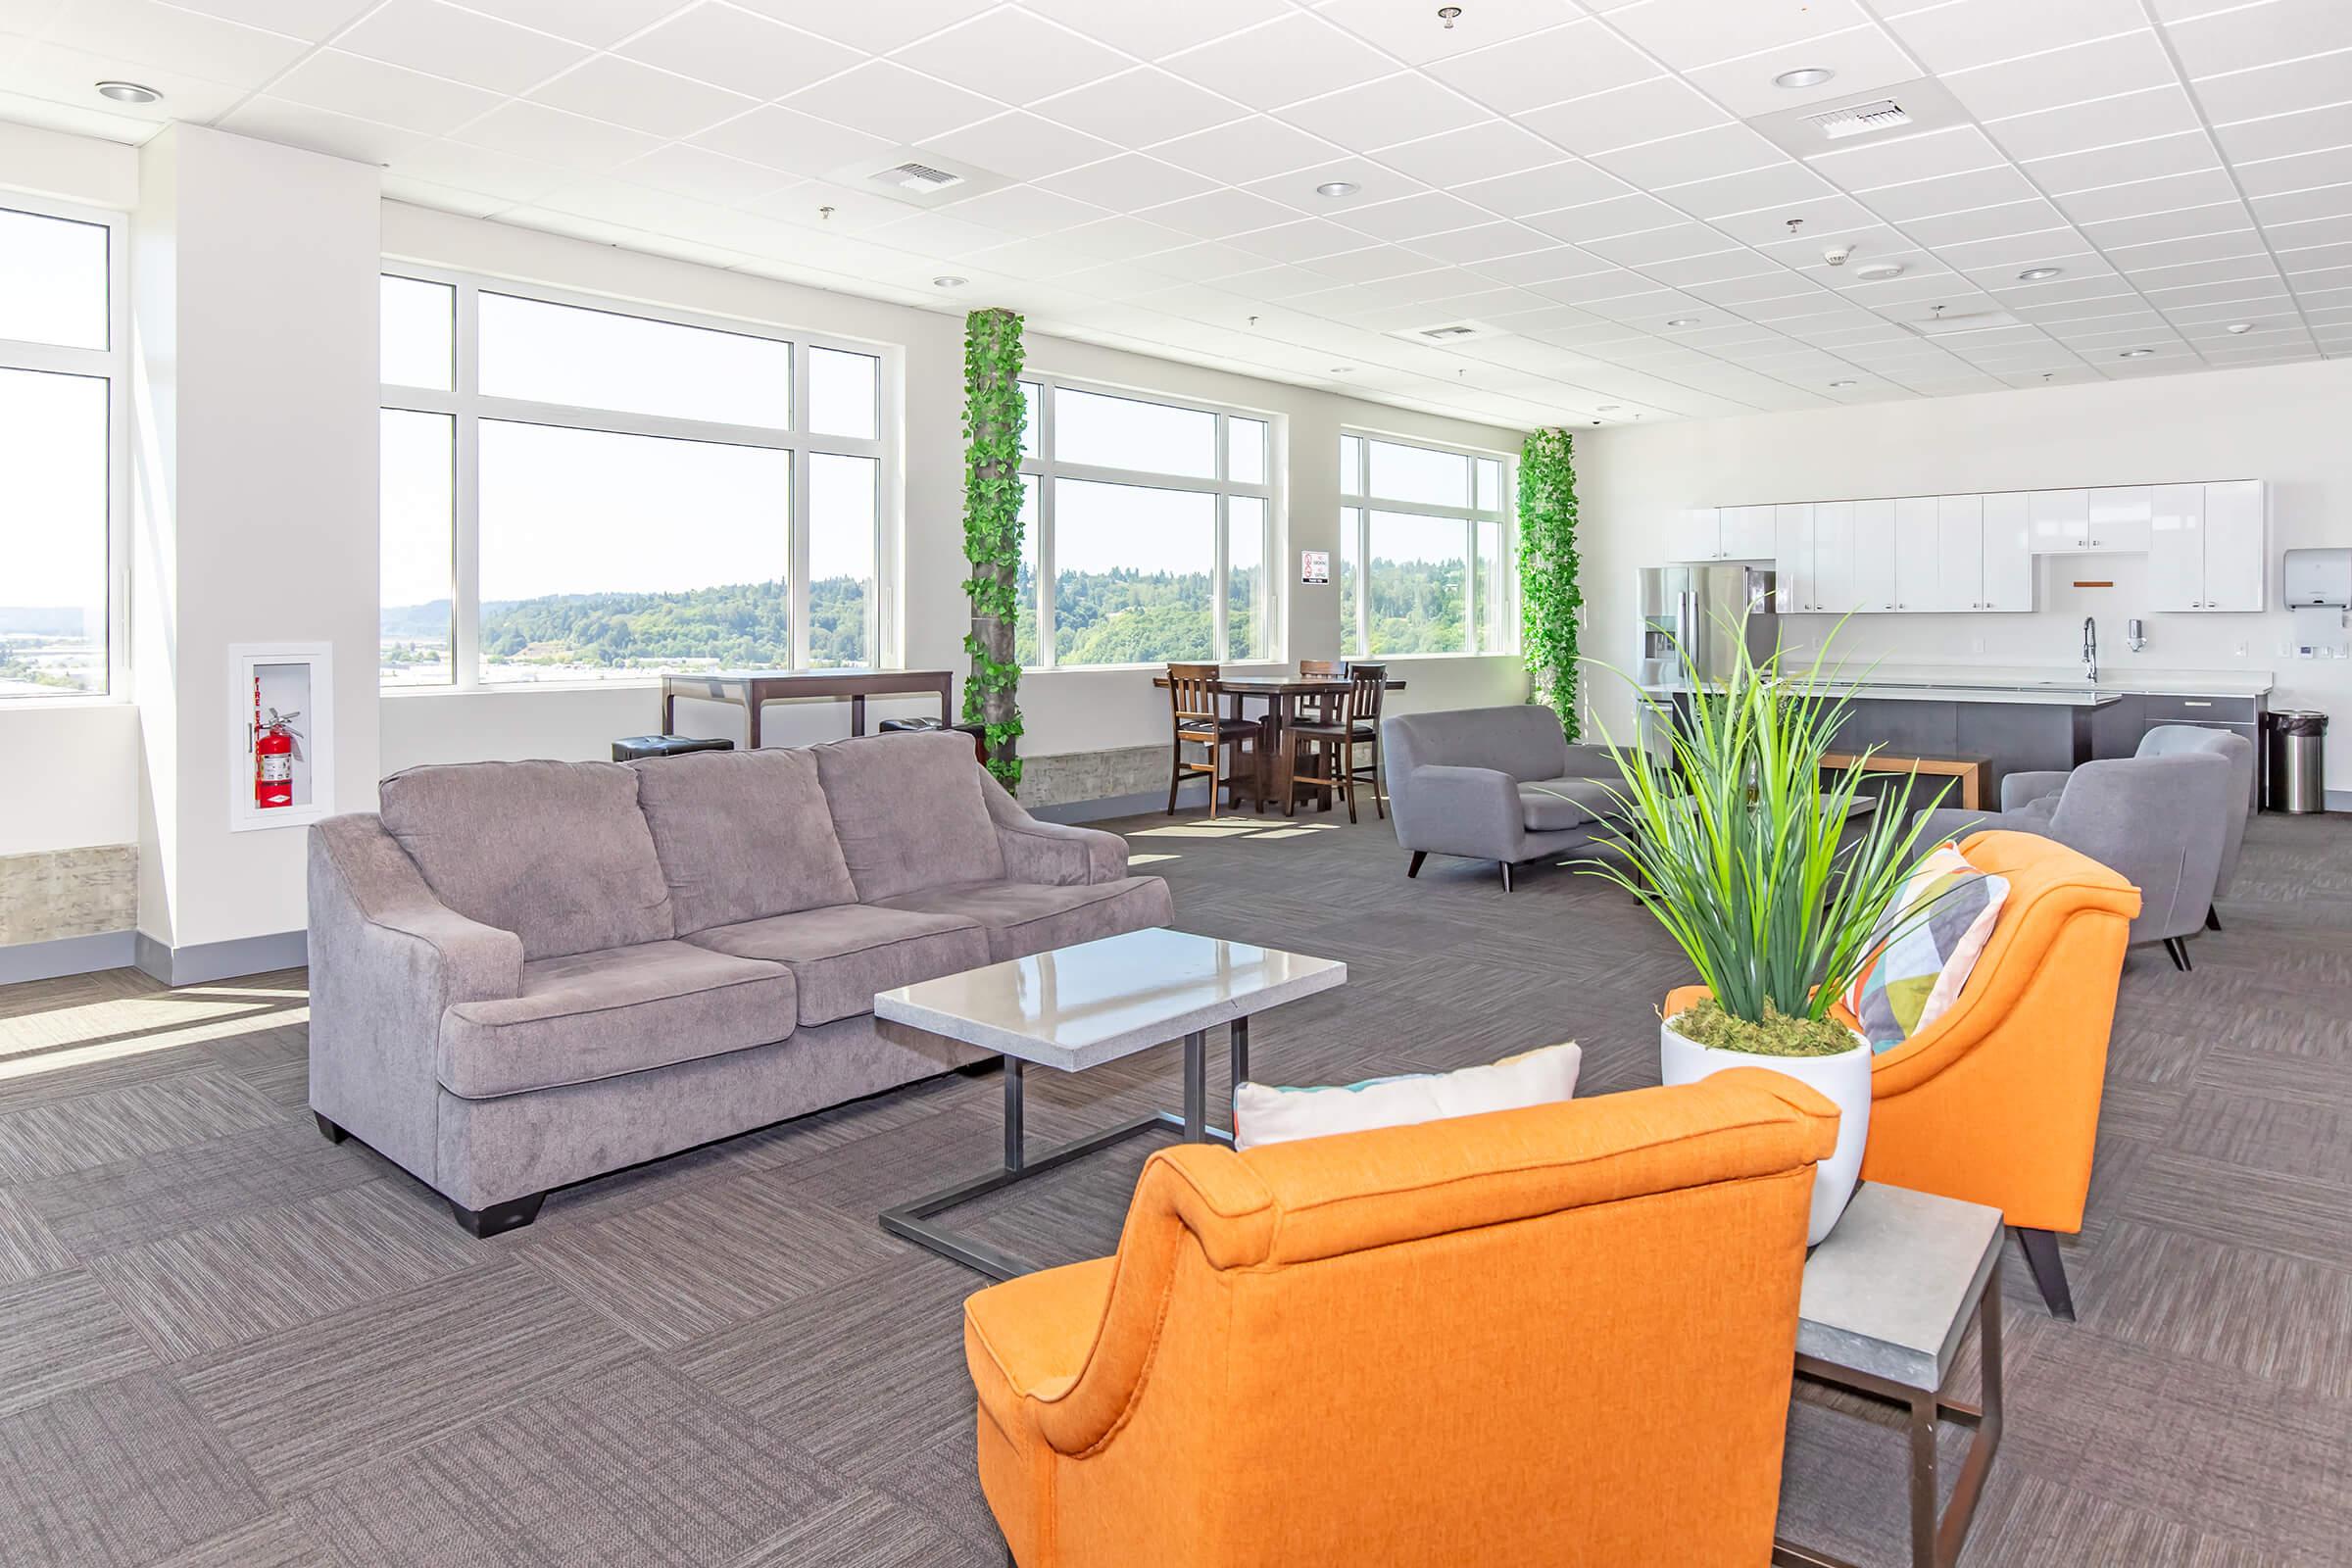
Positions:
{"x": 64, "y": 956}
{"x": 1191, "y": 795}
{"x": 202, "y": 963}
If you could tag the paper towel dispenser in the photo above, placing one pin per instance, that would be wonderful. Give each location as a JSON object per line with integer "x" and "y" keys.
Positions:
{"x": 2318, "y": 580}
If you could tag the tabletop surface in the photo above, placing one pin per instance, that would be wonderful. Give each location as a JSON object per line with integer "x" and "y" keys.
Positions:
{"x": 811, "y": 677}
{"x": 1891, "y": 1291}
{"x": 1080, "y": 1007}
{"x": 1289, "y": 685}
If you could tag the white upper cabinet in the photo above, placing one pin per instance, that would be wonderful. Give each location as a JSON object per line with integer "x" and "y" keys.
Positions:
{"x": 2119, "y": 517}
{"x": 1834, "y": 557}
{"x": 1794, "y": 555}
{"x": 2206, "y": 548}
{"x": 2008, "y": 557}
{"x": 1872, "y": 581}
{"x": 2177, "y": 546}
{"x": 1918, "y": 553}
{"x": 1695, "y": 534}
{"x": 1747, "y": 533}
{"x": 1959, "y": 552}
{"x": 2061, "y": 519}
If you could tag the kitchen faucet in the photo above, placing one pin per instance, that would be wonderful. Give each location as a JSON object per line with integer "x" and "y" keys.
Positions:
{"x": 2090, "y": 650}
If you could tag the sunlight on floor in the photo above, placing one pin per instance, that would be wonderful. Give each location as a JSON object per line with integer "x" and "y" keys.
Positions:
{"x": 117, "y": 1027}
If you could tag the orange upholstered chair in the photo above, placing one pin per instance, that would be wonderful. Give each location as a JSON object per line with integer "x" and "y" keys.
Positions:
{"x": 1558, "y": 1334}
{"x": 1997, "y": 1101}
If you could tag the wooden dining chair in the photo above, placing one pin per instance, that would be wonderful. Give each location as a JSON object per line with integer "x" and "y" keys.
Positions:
{"x": 1357, "y": 723}
{"x": 1192, "y": 700}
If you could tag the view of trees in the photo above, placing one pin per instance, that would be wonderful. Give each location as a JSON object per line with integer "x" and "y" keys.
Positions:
{"x": 736, "y": 625}
{"x": 1416, "y": 606}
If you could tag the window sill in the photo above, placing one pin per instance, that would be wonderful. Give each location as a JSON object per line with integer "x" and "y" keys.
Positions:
{"x": 520, "y": 689}
{"x": 62, "y": 704}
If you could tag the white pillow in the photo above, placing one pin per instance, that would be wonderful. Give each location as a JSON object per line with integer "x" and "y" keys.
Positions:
{"x": 1263, "y": 1113}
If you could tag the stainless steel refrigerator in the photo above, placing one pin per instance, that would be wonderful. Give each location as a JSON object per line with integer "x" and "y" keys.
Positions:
{"x": 1691, "y": 617}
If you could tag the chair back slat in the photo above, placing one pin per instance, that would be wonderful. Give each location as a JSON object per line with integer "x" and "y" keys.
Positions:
{"x": 1192, "y": 692}
{"x": 1322, "y": 667}
{"x": 1367, "y": 687}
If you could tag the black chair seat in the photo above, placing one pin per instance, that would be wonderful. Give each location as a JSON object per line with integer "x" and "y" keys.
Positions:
{"x": 1199, "y": 728}
{"x": 1330, "y": 732}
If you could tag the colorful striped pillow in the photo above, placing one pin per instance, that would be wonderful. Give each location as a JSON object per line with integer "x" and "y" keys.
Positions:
{"x": 1924, "y": 947}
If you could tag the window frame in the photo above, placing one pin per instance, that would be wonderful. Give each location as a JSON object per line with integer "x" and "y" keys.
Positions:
{"x": 468, "y": 406}
{"x": 112, "y": 363}
{"x": 1356, "y": 496}
{"x": 1046, "y": 469}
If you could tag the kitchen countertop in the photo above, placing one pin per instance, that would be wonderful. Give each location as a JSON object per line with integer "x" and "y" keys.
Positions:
{"x": 2029, "y": 686}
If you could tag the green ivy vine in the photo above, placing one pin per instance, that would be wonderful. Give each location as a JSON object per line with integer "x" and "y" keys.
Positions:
{"x": 993, "y": 415}
{"x": 1549, "y": 595}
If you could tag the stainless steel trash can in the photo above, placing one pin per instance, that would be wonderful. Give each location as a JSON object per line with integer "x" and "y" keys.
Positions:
{"x": 2294, "y": 776}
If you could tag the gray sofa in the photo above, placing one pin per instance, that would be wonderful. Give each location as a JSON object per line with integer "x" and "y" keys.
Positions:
{"x": 525, "y": 974}
{"x": 1498, "y": 784}
{"x": 2169, "y": 819}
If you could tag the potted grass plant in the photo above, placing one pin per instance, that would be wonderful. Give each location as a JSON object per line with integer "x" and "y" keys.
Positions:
{"x": 1770, "y": 878}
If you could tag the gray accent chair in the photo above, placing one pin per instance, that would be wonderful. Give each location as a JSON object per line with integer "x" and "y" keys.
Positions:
{"x": 1498, "y": 784}
{"x": 525, "y": 975}
{"x": 2170, "y": 819}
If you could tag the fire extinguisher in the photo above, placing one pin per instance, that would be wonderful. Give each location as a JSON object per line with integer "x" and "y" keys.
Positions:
{"x": 273, "y": 760}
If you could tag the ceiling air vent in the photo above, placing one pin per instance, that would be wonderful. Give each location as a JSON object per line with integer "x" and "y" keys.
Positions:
{"x": 1859, "y": 119}
{"x": 915, "y": 177}
{"x": 1445, "y": 334}
{"x": 1941, "y": 324}
{"x": 920, "y": 178}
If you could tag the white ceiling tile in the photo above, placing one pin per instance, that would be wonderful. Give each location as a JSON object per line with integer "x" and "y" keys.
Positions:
{"x": 1906, "y": 160}
{"x": 2124, "y": 63}
{"x": 1293, "y": 57}
{"x": 1130, "y": 180}
{"x": 443, "y": 198}
{"x": 937, "y": 233}
{"x": 1012, "y": 55}
{"x": 1026, "y": 210}
{"x": 600, "y": 22}
{"x": 1974, "y": 32}
{"x": 1380, "y": 114}
{"x": 1244, "y": 150}
{"x": 1220, "y": 214}
{"x": 1411, "y": 216}
{"x": 2260, "y": 34}
{"x": 2297, "y": 233}
{"x": 2181, "y": 249}
{"x": 1374, "y": 183}
{"x": 2156, "y": 228}
{"x": 1490, "y": 149}
{"x": 444, "y": 40}
{"x": 2099, "y": 123}
{"x": 1864, "y": 59}
{"x": 2299, "y": 206}
{"x": 2153, "y": 281}
{"x": 2023, "y": 248}
{"x": 1306, "y": 239}
{"x": 1785, "y": 188}
{"x": 1827, "y": 219}
{"x": 704, "y": 175}
{"x": 1949, "y": 193}
{"x": 1154, "y": 31}
{"x": 875, "y": 28}
{"x": 2142, "y": 197}
{"x": 354, "y": 84}
{"x": 1620, "y": 214}
{"x": 1483, "y": 243}
{"x": 2182, "y": 154}
{"x": 1021, "y": 146}
{"x": 1985, "y": 222}
{"x": 2283, "y": 88}
{"x": 296, "y": 124}
{"x": 553, "y": 137}
{"x": 1415, "y": 36}
{"x": 1694, "y": 156}
{"x": 1369, "y": 263}
{"x": 1535, "y": 268}
{"x": 2280, "y": 135}
{"x": 1123, "y": 239}
{"x": 1141, "y": 107}
{"x": 478, "y": 170}
{"x": 1570, "y": 61}
{"x": 142, "y": 33}
{"x": 642, "y": 98}
{"x": 2271, "y": 176}
{"x": 1674, "y": 241}
{"x": 312, "y": 19}
{"x": 787, "y": 140}
{"x": 1712, "y": 269}
{"x": 1645, "y": 112}
{"x": 1571, "y": 183}
{"x": 886, "y": 99}
{"x": 718, "y": 43}
{"x": 1686, "y": 34}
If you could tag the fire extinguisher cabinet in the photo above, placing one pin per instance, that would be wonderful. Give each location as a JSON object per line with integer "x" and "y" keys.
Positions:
{"x": 282, "y": 702}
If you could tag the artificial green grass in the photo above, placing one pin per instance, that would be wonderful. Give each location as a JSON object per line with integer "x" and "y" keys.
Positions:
{"x": 1778, "y": 1035}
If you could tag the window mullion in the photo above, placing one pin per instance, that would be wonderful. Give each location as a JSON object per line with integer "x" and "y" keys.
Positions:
{"x": 466, "y": 591}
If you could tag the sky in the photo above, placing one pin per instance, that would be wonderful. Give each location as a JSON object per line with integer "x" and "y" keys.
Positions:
{"x": 52, "y": 427}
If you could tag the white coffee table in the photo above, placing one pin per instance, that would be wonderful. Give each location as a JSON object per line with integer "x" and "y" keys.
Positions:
{"x": 1080, "y": 1007}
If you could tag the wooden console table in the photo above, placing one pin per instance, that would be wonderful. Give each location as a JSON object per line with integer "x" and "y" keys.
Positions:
{"x": 751, "y": 689}
{"x": 1972, "y": 770}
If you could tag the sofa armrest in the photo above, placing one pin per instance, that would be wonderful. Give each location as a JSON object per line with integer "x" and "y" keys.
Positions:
{"x": 1051, "y": 852}
{"x": 1445, "y": 809}
{"x": 387, "y": 960}
{"x": 2023, "y": 789}
{"x": 1592, "y": 762}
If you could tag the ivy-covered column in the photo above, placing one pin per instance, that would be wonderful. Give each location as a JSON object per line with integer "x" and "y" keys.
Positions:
{"x": 1549, "y": 595}
{"x": 994, "y": 415}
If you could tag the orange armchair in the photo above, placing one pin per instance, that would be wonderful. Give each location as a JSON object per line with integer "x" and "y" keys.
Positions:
{"x": 1561, "y": 1334}
{"x": 1997, "y": 1101}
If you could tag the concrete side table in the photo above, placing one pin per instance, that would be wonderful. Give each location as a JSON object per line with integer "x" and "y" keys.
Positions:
{"x": 1888, "y": 1298}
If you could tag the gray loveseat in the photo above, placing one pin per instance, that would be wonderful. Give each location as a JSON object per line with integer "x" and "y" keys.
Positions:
{"x": 525, "y": 974}
{"x": 1498, "y": 784}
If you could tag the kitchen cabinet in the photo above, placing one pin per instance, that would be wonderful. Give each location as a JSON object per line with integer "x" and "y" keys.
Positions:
{"x": 1795, "y": 555}
{"x": 1747, "y": 533}
{"x": 1918, "y": 552}
{"x": 1959, "y": 554}
{"x": 1834, "y": 557}
{"x": 1695, "y": 534}
{"x": 2206, "y": 547}
{"x": 2112, "y": 517}
{"x": 2008, "y": 556}
{"x": 1722, "y": 533}
{"x": 2061, "y": 519}
{"x": 1871, "y": 584}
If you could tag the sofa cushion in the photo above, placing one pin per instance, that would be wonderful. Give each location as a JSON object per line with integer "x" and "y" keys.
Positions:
{"x": 742, "y": 835}
{"x": 840, "y": 956}
{"x": 590, "y": 1015}
{"x": 908, "y": 811}
{"x": 555, "y": 853}
{"x": 1024, "y": 917}
{"x": 1548, "y": 806}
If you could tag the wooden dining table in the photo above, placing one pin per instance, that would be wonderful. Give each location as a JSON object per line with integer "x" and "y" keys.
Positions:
{"x": 1281, "y": 694}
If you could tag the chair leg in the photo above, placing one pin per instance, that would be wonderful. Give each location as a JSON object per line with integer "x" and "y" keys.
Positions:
{"x": 2180, "y": 952}
{"x": 1216, "y": 776}
{"x": 1175, "y": 774}
{"x": 1506, "y": 874}
{"x": 1290, "y": 772}
{"x": 1413, "y": 868}
{"x": 1380, "y": 796}
{"x": 2212, "y": 918}
{"x": 2049, "y": 1271}
{"x": 1346, "y": 753}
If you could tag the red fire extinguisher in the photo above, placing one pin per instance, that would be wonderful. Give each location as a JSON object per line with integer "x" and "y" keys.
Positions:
{"x": 273, "y": 760}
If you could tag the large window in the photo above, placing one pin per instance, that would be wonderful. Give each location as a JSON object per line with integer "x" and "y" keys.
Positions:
{"x": 573, "y": 492}
{"x": 1425, "y": 550}
{"x": 62, "y": 474}
{"x": 1146, "y": 530}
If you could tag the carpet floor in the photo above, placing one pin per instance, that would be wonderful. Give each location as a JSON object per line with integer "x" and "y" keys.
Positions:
{"x": 224, "y": 1342}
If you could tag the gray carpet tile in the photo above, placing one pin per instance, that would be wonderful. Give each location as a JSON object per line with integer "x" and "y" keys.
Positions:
{"x": 118, "y": 1474}
{"x": 224, "y": 1342}
{"x": 315, "y": 1402}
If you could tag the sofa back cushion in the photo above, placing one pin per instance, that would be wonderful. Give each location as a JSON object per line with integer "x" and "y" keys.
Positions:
{"x": 908, "y": 811}
{"x": 555, "y": 853}
{"x": 1524, "y": 740}
{"x": 742, "y": 835}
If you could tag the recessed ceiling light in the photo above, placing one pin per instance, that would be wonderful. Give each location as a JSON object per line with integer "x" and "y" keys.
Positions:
{"x": 2039, "y": 274}
{"x": 1840, "y": 383}
{"x": 1338, "y": 187}
{"x": 2237, "y": 327}
{"x": 2135, "y": 353}
{"x": 128, "y": 92}
{"x": 1343, "y": 369}
{"x": 1803, "y": 77}
{"x": 950, "y": 282}
{"x": 1608, "y": 407}
{"x": 1683, "y": 321}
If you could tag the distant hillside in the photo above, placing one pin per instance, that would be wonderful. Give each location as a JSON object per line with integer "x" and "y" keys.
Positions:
{"x": 42, "y": 620}
{"x": 738, "y": 623}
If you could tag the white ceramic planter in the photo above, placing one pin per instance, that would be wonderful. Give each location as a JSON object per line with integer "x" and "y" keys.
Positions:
{"x": 1845, "y": 1079}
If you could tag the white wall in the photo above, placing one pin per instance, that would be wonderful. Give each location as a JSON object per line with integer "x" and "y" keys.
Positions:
{"x": 1063, "y": 711}
{"x": 2281, "y": 424}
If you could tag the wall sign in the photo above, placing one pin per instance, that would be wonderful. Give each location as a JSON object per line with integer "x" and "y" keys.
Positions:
{"x": 1315, "y": 566}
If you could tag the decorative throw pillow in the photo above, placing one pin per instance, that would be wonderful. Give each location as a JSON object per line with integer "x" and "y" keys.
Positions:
{"x": 1925, "y": 946}
{"x": 1265, "y": 1115}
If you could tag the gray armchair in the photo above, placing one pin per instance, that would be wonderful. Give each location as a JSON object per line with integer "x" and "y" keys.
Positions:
{"x": 1498, "y": 784}
{"x": 2170, "y": 819}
